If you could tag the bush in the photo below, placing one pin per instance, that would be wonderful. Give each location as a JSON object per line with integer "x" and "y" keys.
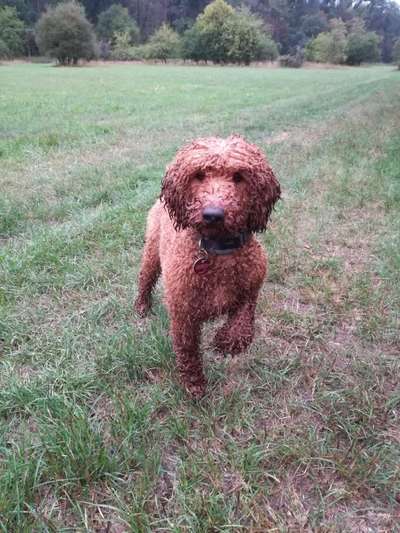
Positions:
{"x": 115, "y": 20}
{"x": 63, "y": 32}
{"x": 222, "y": 35}
{"x": 120, "y": 48}
{"x": 292, "y": 60}
{"x": 362, "y": 47}
{"x": 137, "y": 53}
{"x": 4, "y": 51}
{"x": 11, "y": 32}
{"x": 329, "y": 47}
{"x": 267, "y": 49}
{"x": 246, "y": 40}
{"x": 318, "y": 49}
{"x": 309, "y": 51}
{"x": 192, "y": 47}
{"x": 163, "y": 44}
{"x": 396, "y": 53}
{"x": 123, "y": 51}
{"x": 214, "y": 27}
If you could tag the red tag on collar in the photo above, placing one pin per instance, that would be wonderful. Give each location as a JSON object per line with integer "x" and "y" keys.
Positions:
{"x": 201, "y": 265}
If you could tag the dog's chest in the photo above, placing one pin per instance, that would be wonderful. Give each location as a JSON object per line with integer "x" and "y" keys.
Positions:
{"x": 222, "y": 297}
{"x": 221, "y": 287}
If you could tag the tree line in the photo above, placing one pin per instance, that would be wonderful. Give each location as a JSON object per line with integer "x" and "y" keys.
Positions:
{"x": 335, "y": 31}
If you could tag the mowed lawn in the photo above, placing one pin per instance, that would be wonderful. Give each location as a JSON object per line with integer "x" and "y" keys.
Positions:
{"x": 302, "y": 432}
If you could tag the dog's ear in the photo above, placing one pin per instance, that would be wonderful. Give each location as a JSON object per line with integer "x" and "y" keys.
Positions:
{"x": 265, "y": 192}
{"x": 173, "y": 189}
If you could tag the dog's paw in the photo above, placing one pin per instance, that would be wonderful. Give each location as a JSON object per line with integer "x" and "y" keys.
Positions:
{"x": 194, "y": 386}
{"x": 142, "y": 308}
{"x": 196, "y": 391}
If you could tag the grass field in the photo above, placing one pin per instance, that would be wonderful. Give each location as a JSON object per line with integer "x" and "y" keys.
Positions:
{"x": 301, "y": 433}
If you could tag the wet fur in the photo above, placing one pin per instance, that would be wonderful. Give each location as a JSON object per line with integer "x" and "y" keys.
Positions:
{"x": 204, "y": 173}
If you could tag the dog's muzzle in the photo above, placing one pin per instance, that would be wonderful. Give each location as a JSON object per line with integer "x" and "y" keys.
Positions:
{"x": 213, "y": 214}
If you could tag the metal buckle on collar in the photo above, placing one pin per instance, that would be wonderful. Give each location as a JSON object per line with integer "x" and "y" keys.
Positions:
{"x": 203, "y": 262}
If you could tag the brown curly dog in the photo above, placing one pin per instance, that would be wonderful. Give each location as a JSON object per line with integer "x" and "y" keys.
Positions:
{"x": 200, "y": 236}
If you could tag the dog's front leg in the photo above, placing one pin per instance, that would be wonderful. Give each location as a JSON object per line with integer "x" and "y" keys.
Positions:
{"x": 186, "y": 340}
{"x": 238, "y": 331}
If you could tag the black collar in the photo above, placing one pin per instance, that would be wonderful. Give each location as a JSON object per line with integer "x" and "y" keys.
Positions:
{"x": 224, "y": 245}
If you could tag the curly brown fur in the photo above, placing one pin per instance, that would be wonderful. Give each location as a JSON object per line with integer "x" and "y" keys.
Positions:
{"x": 232, "y": 176}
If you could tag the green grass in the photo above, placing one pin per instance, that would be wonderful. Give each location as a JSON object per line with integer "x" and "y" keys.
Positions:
{"x": 302, "y": 431}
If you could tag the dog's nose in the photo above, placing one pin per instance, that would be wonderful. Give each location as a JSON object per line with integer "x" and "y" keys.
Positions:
{"x": 213, "y": 214}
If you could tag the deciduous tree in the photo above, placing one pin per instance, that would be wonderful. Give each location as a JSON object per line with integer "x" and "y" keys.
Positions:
{"x": 248, "y": 40}
{"x": 329, "y": 47}
{"x": 163, "y": 44}
{"x": 63, "y": 32}
{"x": 223, "y": 34}
{"x": 114, "y": 20}
{"x": 362, "y": 46}
{"x": 11, "y": 32}
{"x": 396, "y": 53}
{"x": 214, "y": 26}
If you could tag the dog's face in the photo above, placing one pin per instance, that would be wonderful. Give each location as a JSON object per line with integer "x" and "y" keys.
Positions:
{"x": 220, "y": 186}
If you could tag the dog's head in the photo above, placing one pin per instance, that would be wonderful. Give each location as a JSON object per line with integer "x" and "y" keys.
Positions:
{"x": 220, "y": 186}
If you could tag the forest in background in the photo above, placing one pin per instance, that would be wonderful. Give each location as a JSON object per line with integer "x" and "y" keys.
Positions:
{"x": 291, "y": 23}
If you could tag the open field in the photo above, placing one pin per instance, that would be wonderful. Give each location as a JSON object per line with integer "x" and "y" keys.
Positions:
{"x": 301, "y": 433}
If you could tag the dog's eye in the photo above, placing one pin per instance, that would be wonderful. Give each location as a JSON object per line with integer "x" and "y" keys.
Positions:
{"x": 199, "y": 176}
{"x": 237, "y": 177}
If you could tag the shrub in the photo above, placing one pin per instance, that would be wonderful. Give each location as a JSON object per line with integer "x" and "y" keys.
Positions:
{"x": 292, "y": 60}
{"x": 120, "y": 48}
{"x": 309, "y": 51}
{"x": 123, "y": 51}
{"x": 318, "y": 49}
{"x": 192, "y": 47}
{"x": 267, "y": 49}
{"x": 4, "y": 51}
{"x": 222, "y": 35}
{"x": 11, "y": 32}
{"x": 64, "y": 32}
{"x": 329, "y": 47}
{"x": 246, "y": 39}
{"x": 396, "y": 53}
{"x": 362, "y": 47}
{"x": 163, "y": 44}
{"x": 215, "y": 33}
{"x": 115, "y": 20}
{"x": 137, "y": 53}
